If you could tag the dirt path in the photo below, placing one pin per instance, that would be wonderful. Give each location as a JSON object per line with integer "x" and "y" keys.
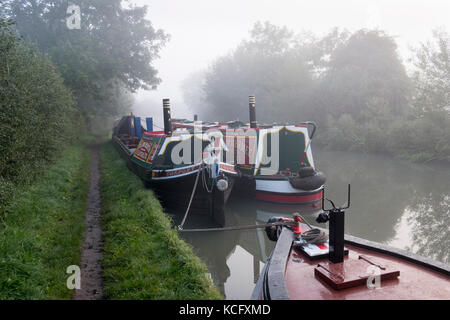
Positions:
{"x": 92, "y": 254}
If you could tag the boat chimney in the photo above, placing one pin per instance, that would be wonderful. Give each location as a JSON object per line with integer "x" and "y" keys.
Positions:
{"x": 195, "y": 117}
{"x": 167, "y": 117}
{"x": 251, "y": 107}
{"x": 149, "y": 122}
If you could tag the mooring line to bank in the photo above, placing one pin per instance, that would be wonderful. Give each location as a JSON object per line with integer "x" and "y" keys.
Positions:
{"x": 247, "y": 227}
{"x": 92, "y": 249}
{"x": 180, "y": 227}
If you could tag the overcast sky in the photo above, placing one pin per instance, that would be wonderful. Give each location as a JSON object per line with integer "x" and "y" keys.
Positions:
{"x": 202, "y": 30}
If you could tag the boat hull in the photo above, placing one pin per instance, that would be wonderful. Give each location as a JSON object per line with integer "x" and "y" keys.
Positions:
{"x": 174, "y": 187}
{"x": 281, "y": 191}
{"x": 174, "y": 194}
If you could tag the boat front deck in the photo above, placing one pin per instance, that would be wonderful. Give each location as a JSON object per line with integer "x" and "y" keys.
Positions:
{"x": 414, "y": 282}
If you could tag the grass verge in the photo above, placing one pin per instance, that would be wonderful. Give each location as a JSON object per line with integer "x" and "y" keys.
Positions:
{"x": 143, "y": 256}
{"x": 42, "y": 229}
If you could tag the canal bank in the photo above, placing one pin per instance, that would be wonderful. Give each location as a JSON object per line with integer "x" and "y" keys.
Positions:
{"x": 41, "y": 230}
{"x": 144, "y": 258}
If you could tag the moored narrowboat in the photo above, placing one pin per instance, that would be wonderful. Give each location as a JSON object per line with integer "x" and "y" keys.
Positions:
{"x": 176, "y": 161}
{"x": 281, "y": 162}
{"x": 295, "y": 180}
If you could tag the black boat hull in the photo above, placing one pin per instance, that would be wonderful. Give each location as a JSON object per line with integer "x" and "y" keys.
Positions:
{"x": 174, "y": 193}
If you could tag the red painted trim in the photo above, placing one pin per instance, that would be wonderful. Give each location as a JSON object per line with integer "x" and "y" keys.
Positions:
{"x": 289, "y": 198}
{"x": 228, "y": 167}
{"x": 155, "y": 134}
{"x": 173, "y": 173}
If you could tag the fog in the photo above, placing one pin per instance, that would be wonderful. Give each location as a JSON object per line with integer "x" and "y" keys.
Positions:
{"x": 202, "y": 30}
{"x": 374, "y": 75}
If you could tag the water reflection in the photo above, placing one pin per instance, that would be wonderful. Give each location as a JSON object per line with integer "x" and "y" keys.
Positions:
{"x": 396, "y": 203}
{"x": 424, "y": 228}
{"x": 393, "y": 202}
{"x": 235, "y": 258}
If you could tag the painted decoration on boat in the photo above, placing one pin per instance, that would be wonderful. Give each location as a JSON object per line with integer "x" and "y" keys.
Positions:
{"x": 246, "y": 147}
{"x": 146, "y": 150}
{"x": 143, "y": 149}
{"x": 152, "y": 152}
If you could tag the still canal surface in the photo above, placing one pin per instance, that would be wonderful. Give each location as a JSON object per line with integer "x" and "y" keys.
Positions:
{"x": 400, "y": 204}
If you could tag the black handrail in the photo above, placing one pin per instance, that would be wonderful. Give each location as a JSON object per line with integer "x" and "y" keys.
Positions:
{"x": 314, "y": 128}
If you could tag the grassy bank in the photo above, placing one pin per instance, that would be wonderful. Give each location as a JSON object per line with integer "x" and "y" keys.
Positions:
{"x": 42, "y": 228}
{"x": 143, "y": 256}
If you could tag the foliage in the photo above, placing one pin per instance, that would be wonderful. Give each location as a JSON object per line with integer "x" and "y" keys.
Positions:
{"x": 37, "y": 115}
{"x": 265, "y": 66}
{"x": 111, "y": 54}
{"x": 354, "y": 85}
{"x": 432, "y": 74}
{"x": 144, "y": 258}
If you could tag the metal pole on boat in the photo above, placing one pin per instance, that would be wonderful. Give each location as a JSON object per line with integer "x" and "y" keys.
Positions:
{"x": 336, "y": 235}
{"x": 252, "y": 109}
{"x": 167, "y": 117}
{"x": 336, "y": 218}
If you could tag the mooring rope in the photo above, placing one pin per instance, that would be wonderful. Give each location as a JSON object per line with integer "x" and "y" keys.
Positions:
{"x": 314, "y": 236}
{"x": 247, "y": 227}
{"x": 180, "y": 227}
{"x": 205, "y": 184}
{"x": 311, "y": 236}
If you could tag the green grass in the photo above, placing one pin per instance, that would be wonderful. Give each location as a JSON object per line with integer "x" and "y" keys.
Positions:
{"x": 41, "y": 230}
{"x": 143, "y": 256}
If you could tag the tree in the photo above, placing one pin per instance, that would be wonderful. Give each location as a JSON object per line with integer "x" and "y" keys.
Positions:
{"x": 193, "y": 92}
{"x": 113, "y": 51}
{"x": 366, "y": 81}
{"x": 364, "y": 73}
{"x": 432, "y": 74}
{"x": 271, "y": 66}
{"x": 37, "y": 114}
{"x": 353, "y": 85}
{"x": 427, "y": 136}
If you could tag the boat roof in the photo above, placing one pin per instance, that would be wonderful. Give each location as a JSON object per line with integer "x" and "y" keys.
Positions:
{"x": 290, "y": 274}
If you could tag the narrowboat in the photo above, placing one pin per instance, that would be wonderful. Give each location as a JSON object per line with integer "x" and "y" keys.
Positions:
{"x": 281, "y": 165}
{"x": 307, "y": 264}
{"x": 178, "y": 160}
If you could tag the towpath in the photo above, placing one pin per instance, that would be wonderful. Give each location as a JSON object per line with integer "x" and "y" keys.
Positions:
{"x": 92, "y": 249}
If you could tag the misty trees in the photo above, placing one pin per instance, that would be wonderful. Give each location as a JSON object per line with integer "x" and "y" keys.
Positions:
{"x": 300, "y": 77}
{"x": 37, "y": 114}
{"x": 432, "y": 74}
{"x": 112, "y": 51}
{"x": 427, "y": 136}
{"x": 267, "y": 66}
{"x": 193, "y": 92}
{"x": 365, "y": 88}
{"x": 55, "y": 79}
{"x": 354, "y": 85}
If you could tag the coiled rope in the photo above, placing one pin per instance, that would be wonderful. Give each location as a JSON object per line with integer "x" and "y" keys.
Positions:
{"x": 312, "y": 236}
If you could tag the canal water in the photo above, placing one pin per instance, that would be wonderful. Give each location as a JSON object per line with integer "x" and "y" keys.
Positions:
{"x": 400, "y": 204}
